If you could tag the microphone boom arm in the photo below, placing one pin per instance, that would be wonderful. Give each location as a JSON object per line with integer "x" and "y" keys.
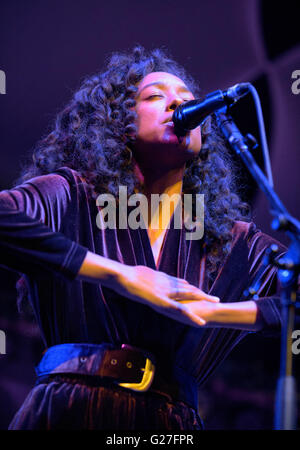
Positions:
{"x": 285, "y": 405}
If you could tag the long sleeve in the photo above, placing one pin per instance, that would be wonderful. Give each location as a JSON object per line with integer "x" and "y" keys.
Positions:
{"x": 268, "y": 303}
{"x": 201, "y": 351}
{"x": 30, "y": 220}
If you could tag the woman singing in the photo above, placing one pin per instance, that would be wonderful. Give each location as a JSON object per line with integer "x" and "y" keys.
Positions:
{"x": 134, "y": 319}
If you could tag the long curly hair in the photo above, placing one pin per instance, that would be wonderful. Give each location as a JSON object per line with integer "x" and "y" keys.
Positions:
{"x": 95, "y": 132}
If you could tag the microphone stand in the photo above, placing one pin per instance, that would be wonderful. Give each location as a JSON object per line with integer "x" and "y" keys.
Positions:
{"x": 288, "y": 272}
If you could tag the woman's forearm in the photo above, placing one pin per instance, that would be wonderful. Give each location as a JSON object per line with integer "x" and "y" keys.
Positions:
{"x": 144, "y": 285}
{"x": 110, "y": 273}
{"x": 98, "y": 269}
{"x": 240, "y": 315}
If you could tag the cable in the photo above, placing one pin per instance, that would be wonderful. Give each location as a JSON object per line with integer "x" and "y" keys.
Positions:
{"x": 262, "y": 133}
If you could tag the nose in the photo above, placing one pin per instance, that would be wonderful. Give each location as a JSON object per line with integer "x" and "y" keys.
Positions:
{"x": 173, "y": 103}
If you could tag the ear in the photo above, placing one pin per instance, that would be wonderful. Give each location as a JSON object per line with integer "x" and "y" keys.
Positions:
{"x": 206, "y": 127}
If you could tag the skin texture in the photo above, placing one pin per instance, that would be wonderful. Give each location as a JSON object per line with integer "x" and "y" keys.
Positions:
{"x": 158, "y": 96}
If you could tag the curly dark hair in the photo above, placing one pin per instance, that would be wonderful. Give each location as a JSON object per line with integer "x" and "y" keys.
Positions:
{"x": 95, "y": 132}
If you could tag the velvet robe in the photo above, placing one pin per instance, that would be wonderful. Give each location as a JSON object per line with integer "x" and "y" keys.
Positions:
{"x": 46, "y": 227}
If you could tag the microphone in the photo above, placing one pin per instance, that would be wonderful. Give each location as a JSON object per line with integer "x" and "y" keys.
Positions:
{"x": 189, "y": 115}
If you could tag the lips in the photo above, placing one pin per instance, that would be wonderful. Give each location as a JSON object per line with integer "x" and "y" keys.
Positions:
{"x": 169, "y": 124}
{"x": 168, "y": 121}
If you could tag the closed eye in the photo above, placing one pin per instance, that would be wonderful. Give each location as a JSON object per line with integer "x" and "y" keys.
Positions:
{"x": 154, "y": 95}
{"x": 161, "y": 96}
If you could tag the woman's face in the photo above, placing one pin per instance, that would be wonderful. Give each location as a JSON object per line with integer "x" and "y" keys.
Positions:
{"x": 159, "y": 94}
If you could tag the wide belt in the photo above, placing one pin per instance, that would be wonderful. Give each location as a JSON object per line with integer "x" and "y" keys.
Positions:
{"x": 127, "y": 366}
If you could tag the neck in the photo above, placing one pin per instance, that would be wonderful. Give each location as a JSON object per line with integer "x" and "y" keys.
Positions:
{"x": 163, "y": 181}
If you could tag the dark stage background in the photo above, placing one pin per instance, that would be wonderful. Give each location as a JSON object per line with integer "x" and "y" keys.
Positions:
{"x": 47, "y": 47}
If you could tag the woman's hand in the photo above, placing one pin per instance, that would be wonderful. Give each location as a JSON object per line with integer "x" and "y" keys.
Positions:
{"x": 207, "y": 310}
{"x": 235, "y": 315}
{"x": 170, "y": 296}
{"x": 160, "y": 291}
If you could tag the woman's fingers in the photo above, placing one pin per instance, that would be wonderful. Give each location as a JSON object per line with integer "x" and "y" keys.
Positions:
{"x": 189, "y": 296}
{"x": 180, "y": 312}
{"x": 163, "y": 292}
{"x": 182, "y": 290}
{"x": 196, "y": 320}
{"x": 200, "y": 295}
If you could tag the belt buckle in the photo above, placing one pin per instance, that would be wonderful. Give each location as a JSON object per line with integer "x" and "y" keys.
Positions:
{"x": 147, "y": 379}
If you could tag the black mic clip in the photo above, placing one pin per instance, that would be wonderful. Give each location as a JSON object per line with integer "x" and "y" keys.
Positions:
{"x": 231, "y": 132}
{"x": 269, "y": 259}
{"x": 250, "y": 141}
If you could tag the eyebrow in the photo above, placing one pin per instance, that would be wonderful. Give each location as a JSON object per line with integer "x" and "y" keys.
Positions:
{"x": 181, "y": 87}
